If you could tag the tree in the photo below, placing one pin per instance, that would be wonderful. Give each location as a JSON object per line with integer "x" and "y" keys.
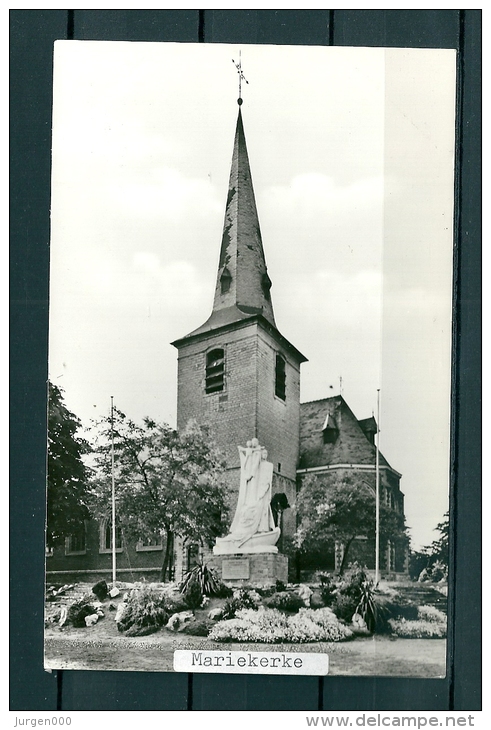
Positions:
{"x": 432, "y": 559}
{"x": 167, "y": 482}
{"x": 338, "y": 508}
{"x": 67, "y": 473}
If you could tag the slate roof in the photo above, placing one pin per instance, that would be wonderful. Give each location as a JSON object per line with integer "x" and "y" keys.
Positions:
{"x": 241, "y": 256}
{"x": 351, "y": 445}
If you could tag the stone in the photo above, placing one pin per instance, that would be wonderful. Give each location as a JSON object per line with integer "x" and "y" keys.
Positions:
{"x": 120, "y": 612}
{"x": 114, "y": 592}
{"x": 100, "y": 590}
{"x": 92, "y": 619}
{"x": 359, "y": 622}
{"x": 264, "y": 568}
{"x": 178, "y": 620}
{"x": 215, "y": 614}
{"x": 63, "y": 616}
{"x": 304, "y": 592}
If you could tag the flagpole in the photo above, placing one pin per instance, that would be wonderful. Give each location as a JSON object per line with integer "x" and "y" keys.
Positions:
{"x": 113, "y": 498}
{"x": 377, "y": 494}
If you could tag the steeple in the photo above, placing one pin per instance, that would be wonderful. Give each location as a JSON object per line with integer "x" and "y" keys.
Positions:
{"x": 242, "y": 279}
{"x": 243, "y": 285}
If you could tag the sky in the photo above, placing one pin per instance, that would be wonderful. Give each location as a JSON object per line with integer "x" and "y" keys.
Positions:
{"x": 352, "y": 159}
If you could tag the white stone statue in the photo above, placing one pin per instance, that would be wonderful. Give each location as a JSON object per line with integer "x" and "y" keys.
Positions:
{"x": 252, "y": 529}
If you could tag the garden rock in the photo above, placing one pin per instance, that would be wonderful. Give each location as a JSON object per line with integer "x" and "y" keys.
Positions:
{"x": 179, "y": 620}
{"x": 215, "y": 614}
{"x": 114, "y": 592}
{"x": 100, "y": 590}
{"x": 63, "y": 616}
{"x": 120, "y": 612}
{"x": 316, "y": 600}
{"x": 359, "y": 622}
{"x": 305, "y": 593}
{"x": 92, "y": 619}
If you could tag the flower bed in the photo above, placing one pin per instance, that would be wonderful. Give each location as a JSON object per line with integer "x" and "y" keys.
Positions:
{"x": 430, "y": 624}
{"x": 270, "y": 626}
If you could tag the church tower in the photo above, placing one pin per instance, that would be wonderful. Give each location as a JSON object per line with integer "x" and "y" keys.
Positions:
{"x": 237, "y": 372}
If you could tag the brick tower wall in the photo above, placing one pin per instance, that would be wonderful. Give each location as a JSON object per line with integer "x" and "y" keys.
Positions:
{"x": 247, "y": 406}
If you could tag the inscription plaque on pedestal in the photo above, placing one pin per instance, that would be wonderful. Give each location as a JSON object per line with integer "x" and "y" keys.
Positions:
{"x": 235, "y": 568}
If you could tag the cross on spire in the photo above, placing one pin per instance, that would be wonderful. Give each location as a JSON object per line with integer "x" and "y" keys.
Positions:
{"x": 238, "y": 66}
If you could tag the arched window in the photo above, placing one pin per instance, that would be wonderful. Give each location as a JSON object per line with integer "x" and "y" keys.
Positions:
{"x": 215, "y": 371}
{"x": 105, "y": 537}
{"x": 280, "y": 377}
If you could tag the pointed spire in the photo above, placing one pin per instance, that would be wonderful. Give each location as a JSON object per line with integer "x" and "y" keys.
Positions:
{"x": 242, "y": 279}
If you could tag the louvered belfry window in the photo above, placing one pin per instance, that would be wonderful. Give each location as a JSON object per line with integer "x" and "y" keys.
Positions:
{"x": 280, "y": 378}
{"x": 215, "y": 371}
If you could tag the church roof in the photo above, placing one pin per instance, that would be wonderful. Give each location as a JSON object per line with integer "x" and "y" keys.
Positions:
{"x": 351, "y": 445}
{"x": 241, "y": 255}
{"x": 243, "y": 285}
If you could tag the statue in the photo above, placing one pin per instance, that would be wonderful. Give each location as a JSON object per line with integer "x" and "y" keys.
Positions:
{"x": 253, "y": 529}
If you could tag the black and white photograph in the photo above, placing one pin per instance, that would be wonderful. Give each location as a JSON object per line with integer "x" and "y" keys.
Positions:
{"x": 250, "y": 359}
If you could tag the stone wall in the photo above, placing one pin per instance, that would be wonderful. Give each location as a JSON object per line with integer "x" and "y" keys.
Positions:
{"x": 256, "y": 569}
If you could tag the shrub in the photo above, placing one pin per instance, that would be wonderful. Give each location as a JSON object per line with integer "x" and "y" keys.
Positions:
{"x": 266, "y": 590}
{"x": 285, "y": 601}
{"x": 241, "y": 598}
{"x": 430, "y": 624}
{"x": 198, "y": 628}
{"x": 270, "y": 626}
{"x": 344, "y": 606}
{"x": 431, "y": 613}
{"x": 417, "y": 629}
{"x": 193, "y": 595}
{"x": 175, "y": 603}
{"x": 78, "y": 610}
{"x": 224, "y": 591}
{"x": 204, "y": 576}
{"x": 354, "y": 593}
{"x": 367, "y": 606}
{"x": 145, "y": 608}
{"x": 328, "y": 589}
{"x": 280, "y": 586}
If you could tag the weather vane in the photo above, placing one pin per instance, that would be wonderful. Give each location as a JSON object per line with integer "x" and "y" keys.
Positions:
{"x": 238, "y": 66}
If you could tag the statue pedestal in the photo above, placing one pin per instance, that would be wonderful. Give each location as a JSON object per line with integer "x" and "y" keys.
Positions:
{"x": 255, "y": 568}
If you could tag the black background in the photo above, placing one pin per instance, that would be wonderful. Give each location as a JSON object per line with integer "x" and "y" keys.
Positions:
{"x": 31, "y": 688}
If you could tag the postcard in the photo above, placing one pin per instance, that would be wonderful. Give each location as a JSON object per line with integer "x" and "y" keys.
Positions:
{"x": 251, "y": 277}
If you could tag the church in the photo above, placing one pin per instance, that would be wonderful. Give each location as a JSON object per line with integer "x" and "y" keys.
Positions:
{"x": 240, "y": 375}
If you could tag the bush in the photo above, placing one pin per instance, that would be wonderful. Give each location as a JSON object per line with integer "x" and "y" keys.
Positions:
{"x": 204, "y": 577}
{"x": 145, "y": 609}
{"x": 356, "y": 594}
{"x": 328, "y": 589}
{"x": 241, "y": 598}
{"x": 175, "y": 603}
{"x": 280, "y": 586}
{"x": 430, "y": 624}
{"x": 285, "y": 601}
{"x": 431, "y": 613}
{"x": 344, "y": 606}
{"x": 224, "y": 591}
{"x": 270, "y": 626}
{"x": 198, "y": 628}
{"x": 193, "y": 595}
{"x": 78, "y": 610}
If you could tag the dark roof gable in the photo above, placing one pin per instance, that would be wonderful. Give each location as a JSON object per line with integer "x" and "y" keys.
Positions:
{"x": 352, "y": 446}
